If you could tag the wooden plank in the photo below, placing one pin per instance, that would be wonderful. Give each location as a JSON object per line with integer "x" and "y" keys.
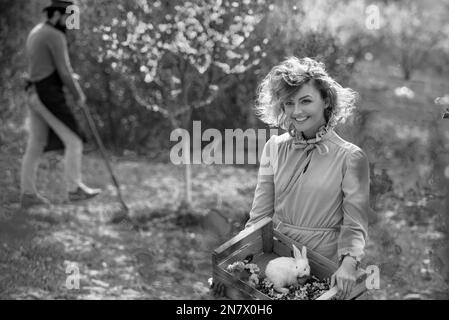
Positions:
{"x": 222, "y": 277}
{"x": 358, "y": 290}
{"x": 281, "y": 249}
{"x": 267, "y": 237}
{"x": 235, "y": 244}
{"x": 360, "y": 287}
{"x": 232, "y": 292}
{"x": 363, "y": 296}
{"x": 329, "y": 294}
{"x": 247, "y": 235}
{"x": 253, "y": 248}
{"x": 247, "y": 292}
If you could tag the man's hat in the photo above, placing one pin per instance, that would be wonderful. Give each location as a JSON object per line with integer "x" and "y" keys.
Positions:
{"x": 58, "y": 4}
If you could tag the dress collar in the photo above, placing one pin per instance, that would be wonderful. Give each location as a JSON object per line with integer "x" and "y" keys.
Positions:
{"x": 300, "y": 142}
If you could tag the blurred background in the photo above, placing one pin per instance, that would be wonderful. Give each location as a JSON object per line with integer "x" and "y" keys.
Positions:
{"x": 148, "y": 67}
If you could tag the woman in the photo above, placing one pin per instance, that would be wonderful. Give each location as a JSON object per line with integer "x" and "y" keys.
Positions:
{"x": 314, "y": 184}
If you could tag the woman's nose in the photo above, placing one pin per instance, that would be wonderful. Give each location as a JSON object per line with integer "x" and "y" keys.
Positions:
{"x": 297, "y": 109}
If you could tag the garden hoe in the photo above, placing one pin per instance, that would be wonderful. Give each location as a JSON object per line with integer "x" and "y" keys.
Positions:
{"x": 123, "y": 214}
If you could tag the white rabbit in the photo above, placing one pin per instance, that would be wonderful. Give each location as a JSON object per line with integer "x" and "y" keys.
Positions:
{"x": 285, "y": 271}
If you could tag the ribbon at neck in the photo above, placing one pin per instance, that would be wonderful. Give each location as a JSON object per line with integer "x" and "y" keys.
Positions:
{"x": 299, "y": 142}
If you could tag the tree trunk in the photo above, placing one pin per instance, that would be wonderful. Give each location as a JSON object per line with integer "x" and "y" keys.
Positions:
{"x": 188, "y": 175}
{"x": 188, "y": 159}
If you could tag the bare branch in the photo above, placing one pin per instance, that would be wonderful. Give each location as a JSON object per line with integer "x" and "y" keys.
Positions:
{"x": 141, "y": 101}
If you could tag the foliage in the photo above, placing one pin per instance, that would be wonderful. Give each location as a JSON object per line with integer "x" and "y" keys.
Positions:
{"x": 164, "y": 59}
{"x": 149, "y": 66}
{"x": 13, "y": 18}
{"x": 413, "y": 31}
{"x": 165, "y": 63}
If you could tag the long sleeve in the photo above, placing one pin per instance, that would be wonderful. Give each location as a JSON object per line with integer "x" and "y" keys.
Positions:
{"x": 263, "y": 203}
{"x": 59, "y": 51}
{"x": 355, "y": 188}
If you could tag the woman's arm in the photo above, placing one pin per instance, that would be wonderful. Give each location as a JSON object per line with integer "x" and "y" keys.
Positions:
{"x": 355, "y": 187}
{"x": 353, "y": 232}
{"x": 263, "y": 203}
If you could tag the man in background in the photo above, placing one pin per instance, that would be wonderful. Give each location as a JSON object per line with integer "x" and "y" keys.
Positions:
{"x": 52, "y": 124}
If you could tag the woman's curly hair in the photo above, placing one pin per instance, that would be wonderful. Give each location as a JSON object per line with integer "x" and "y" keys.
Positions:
{"x": 287, "y": 78}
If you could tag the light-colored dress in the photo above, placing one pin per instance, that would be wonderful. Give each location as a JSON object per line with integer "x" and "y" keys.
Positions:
{"x": 317, "y": 194}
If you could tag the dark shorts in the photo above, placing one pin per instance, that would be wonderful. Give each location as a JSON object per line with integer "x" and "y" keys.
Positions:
{"x": 50, "y": 92}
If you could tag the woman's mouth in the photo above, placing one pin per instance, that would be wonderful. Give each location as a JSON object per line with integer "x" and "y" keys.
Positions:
{"x": 301, "y": 119}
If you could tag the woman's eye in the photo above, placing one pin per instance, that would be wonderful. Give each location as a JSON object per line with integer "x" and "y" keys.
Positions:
{"x": 289, "y": 103}
{"x": 305, "y": 101}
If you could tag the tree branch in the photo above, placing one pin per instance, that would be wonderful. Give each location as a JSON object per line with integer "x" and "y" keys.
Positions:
{"x": 140, "y": 101}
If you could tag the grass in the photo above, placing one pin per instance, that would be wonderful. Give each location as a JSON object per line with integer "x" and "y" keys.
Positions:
{"x": 160, "y": 256}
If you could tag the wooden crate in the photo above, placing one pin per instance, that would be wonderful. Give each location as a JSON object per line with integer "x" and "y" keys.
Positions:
{"x": 265, "y": 244}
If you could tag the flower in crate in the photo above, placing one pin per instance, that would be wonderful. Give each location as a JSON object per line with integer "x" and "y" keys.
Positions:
{"x": 237, "y": 266}
{"x": 253, "y": 280}
{"x": 247, "y": 272}
{"x": 252, "y": 268}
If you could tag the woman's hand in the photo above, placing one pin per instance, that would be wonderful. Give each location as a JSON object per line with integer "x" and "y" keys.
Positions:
{"x": 345, "y": 277}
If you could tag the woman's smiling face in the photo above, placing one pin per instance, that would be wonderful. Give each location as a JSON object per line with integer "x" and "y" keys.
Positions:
{"x": 305, "y": 109}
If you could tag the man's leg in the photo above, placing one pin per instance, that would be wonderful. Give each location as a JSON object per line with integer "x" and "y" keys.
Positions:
{"x": 38, "y": 132}
{"x": 73, "y": 148}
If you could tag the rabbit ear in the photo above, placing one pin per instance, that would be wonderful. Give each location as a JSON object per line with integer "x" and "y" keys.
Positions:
{"x": 296, "y": 252}
{"x": 304, "y": 251}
